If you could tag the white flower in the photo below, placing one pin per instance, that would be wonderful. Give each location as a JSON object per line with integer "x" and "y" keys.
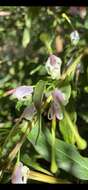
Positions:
{"x": 53, "y": 66}
{"x": 22, "y": 91}
{"x": 20, "y": 174}
{"x": 74, "y": 37}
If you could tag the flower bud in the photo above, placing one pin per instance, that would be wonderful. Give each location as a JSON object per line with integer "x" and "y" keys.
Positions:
{"x": 53, "y": 66}
{"x": 74, "y": 37}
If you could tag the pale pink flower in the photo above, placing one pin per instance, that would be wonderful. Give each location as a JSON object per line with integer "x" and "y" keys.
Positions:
{"x": 21, "y": 92}
{"x": 20, "y": 174}
{"x": 56, "y": 108}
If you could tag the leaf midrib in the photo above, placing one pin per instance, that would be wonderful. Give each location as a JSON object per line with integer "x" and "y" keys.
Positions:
{"x": 74, "y": 159}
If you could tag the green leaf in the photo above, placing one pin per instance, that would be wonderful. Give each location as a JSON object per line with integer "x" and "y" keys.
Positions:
{"x": 65, "y": 130}
{"x": 42, "y": 147}
{"x": 37, "y": 99}
{"x": 33, "y": 163}
{"x": 68, "y": 158}
{"x": 28, "y": 21}
{"x": 71, "y": 161}
{"x": 26, "y": 37}
{"x": 25, "y": 102}
{"x": 19, "y": 105}
{"x": 86, "y": 24}
{"x": 38, "y": 94}
{"x": 81, "y": 143}
{"x": 45, "y": 38}
{"x": 64, "y": 127}
{"x": 66, "y": 89}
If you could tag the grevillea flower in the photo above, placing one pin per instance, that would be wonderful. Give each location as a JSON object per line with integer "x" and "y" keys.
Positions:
{"x": 56, "y": 108}
{"x": 74, "y": 36}
{"x": 53, "y": 66}
{"x": 21, "y": 92}
{"x": 20, "y": 174}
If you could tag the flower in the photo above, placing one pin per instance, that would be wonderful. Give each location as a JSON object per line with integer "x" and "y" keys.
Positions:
{"x": 82, "y": 12}
{"x": 58, "y": 96}
{"x": 74, "y": 36}
{"x": 56, "y": 108}
{"x": 20, "y": 174}
{"x": 21, "y": 91}
{"x": 53, "y": 66}
{"x": 29, "y": 112}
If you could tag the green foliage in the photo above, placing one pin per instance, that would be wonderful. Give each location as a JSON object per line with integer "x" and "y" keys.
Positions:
{"x": 26, "y": 37}
{"x": 38, "y": 95}
{"x": 27, "y": 40}
{"x": 67, "y": 133}
{"x": 68, "y": 157}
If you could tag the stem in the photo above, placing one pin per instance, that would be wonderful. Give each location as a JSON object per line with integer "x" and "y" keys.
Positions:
{"x": 49, "y": 49}
{"x": 53, "y": 160}
{"x": 17, "y": 148}
{"x": 45, "y": 178}
{"x": 35, "y": 70}
{"x": 73, "y": 66}
{"x": 18, "y": 157}
{"x": 12, "y": 154}
{"x": 40, "y": 126}
{"x": 46, "y": 103}
{"x": 81, "y": 143}
{"x": 12, "y": 130}
{"x": 68, "y": 20}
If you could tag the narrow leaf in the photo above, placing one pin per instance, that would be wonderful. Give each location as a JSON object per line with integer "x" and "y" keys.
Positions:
{"x": 26, "y": 37}
{"x": 38, "y": 94}
{"x": 68, "y": 158}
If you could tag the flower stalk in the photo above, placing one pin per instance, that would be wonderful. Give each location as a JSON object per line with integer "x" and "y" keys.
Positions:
{"x": 81, "y": 143}
{"x": 53, "y": 157}
{"x": 46, "y": 178}
{"x": 73, "y": 66}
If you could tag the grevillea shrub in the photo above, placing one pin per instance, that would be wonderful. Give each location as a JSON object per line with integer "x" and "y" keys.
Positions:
{"x": 43, "y": 95}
